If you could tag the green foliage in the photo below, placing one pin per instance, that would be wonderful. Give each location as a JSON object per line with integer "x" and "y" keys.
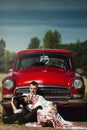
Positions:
{"x": 34, "y": 43}
{"x": 52, "y": 39}
{"x": 8, "y": 60}
{"x": 81, "y": 49}
{"x": 6, "y": 57}
{"x": 2, "y": 46}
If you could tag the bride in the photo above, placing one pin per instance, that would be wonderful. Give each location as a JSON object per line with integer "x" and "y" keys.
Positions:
{"x": 48, "y": 116}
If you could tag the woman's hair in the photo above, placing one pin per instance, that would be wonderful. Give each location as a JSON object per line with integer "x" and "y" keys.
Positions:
{"x": 21, "y": 101}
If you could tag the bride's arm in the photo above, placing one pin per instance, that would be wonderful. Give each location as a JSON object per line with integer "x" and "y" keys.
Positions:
{"x": 48, "y": 104}
{"x": 15, "y": 110}
{"x": 53, "y": 107}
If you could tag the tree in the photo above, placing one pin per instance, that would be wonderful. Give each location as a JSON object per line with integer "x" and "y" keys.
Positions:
{"x": 6, "y": 57}
{"x": 34, "y": 43}
{"x": 52, "y": 39}
{"x": 8, "y": 60}
{"x": 2, "y": 46}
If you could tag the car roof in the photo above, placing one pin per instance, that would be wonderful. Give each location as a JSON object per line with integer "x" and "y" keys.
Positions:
{"x": 62, "y": 51}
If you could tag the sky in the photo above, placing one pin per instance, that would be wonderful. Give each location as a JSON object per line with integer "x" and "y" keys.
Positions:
{"x": 21, "y": 20}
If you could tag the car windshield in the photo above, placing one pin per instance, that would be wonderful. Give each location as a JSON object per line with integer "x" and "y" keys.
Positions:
{"x": 43, "y": 59}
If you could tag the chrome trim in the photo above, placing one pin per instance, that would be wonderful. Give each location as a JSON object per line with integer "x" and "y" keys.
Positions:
{"x": 5, "y": 102}
{"x": 7, "y": 95}
{"x": 57, "y": 97}
{"x": 76, "y": 101}
{"x": 67, "y": 102}
{"x": 77, "y": 95}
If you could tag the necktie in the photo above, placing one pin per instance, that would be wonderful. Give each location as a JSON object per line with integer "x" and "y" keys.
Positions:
{"x": 32, "y": 96}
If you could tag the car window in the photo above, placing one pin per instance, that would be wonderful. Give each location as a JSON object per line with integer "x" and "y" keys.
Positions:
{"x": 43, "y": 59}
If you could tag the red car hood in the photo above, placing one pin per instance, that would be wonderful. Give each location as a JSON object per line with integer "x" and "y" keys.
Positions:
{"x": 43, "y": 75}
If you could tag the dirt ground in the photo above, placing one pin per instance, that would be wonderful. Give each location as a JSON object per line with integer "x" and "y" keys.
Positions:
{"x": 21, "y": 127}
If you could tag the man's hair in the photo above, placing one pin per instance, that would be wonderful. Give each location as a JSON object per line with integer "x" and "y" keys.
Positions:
{"x": 34, "y": 83}
{"x": 38, "y": 89}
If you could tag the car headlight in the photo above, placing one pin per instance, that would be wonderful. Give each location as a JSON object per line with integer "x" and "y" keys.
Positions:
{"x": 8, "y": 84}
{"x": 77, "y": 83}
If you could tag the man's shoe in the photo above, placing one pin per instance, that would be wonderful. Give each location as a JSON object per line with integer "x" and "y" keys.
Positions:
{"x": 7, "y": 121}
{"x": 21, "y": 121}
{"x": 50, "y": 124}
{"x": 44, "y": 124}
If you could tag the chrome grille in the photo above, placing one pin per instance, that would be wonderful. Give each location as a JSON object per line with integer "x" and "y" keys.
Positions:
{"x": 55, "y": 91}
{"x": 47, "y": 91}
{"x": 21, "y": 90}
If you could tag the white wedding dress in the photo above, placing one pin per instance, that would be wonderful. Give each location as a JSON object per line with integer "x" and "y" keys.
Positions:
{"x": 48, "y": 114}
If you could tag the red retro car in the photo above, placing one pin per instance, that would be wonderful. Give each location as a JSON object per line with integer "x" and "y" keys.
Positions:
{"x": 54, "y": 71}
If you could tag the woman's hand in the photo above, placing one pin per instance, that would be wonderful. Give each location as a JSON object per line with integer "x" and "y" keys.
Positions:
{"x": 13, "y": 105}
{"x": 53, "y": 107}
{"x": 12, "y": 100}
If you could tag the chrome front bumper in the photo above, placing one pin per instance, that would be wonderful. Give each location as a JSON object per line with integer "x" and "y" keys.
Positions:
{"x": 75, "y": 102}
{"x": 6, "y": 102}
